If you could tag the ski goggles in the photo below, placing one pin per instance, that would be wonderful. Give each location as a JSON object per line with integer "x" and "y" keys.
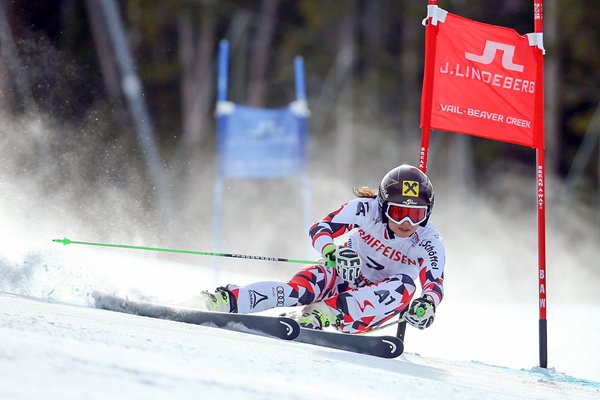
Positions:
{"x": 400, "y": 213}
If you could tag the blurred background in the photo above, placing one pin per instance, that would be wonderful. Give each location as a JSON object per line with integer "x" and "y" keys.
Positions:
{"x": 108, "y": 133}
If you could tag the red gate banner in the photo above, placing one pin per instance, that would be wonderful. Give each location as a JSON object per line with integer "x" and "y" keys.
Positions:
{"x": 484, "y": 82}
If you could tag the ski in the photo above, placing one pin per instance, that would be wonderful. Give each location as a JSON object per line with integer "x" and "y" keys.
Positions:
{"x": 279, "y": 327}
{"x": 379, "y": 346}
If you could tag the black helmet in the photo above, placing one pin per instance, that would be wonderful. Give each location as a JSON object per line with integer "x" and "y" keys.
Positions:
{"x": 406, "y": 186}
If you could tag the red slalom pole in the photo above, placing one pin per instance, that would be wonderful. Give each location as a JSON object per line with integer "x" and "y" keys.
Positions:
{"x": 541, "y": 190}
{"x": 426, "y": 101}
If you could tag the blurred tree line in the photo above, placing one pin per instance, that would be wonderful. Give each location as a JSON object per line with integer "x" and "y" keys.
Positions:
{"x": 363, "y": 62}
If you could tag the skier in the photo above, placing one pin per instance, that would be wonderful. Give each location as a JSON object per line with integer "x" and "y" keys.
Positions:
{"x": 372, "y": 277}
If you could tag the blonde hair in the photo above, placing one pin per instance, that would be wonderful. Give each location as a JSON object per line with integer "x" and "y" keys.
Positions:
{"x": 364, "y": 191}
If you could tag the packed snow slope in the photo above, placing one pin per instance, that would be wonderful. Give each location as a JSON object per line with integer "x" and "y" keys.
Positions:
{"x": 72, "y": 352}
{"x": 56, "y": 345}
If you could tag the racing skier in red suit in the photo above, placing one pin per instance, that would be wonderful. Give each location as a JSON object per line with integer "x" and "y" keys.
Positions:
{"x": 373, "y": 276}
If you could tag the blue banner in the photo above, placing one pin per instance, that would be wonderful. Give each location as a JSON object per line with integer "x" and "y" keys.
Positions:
{"x": 261, "y": 143}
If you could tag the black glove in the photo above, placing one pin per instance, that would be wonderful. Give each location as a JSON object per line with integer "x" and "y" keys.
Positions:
{"x": 421, "y": 312}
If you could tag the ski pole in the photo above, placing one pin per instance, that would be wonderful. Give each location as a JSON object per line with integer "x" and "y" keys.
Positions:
{"x": 420, "y": 312}
{"x": 383, "y": 326}
{"x": 67, "y": 241}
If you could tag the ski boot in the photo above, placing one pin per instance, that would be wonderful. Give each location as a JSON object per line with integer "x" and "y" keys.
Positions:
{"x": 318, "y": 316}
{"x": 222, "y": 300}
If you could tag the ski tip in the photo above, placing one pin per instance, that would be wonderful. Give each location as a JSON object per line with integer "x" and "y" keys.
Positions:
{"x": 64, "y": 241}
{"x": 396, "y": 346}
{"x": 292, "y": 329}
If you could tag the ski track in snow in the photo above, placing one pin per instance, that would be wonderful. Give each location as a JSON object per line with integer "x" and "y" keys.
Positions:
{"x": 54, "y": 345}
{"x": 55, "y": 350}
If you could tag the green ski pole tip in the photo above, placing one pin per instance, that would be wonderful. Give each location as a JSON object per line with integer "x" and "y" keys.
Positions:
{"x": 64, "y": 241}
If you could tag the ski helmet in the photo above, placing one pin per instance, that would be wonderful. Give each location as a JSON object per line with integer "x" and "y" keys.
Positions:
{"x": 406, "y": 192}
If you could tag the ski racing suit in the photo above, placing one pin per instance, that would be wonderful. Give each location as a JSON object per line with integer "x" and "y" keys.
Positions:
{"x": 387, "y": 281}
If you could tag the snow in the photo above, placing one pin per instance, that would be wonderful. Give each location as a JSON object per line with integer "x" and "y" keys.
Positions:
{"x": 55, "y": 345}
{"x": 483, "y": 344}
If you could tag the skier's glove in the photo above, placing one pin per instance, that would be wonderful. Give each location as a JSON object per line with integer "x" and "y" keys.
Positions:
{"x": 421, "y": 312}
{"x": 348, "y": 263}
{"x": 328, "y": 254}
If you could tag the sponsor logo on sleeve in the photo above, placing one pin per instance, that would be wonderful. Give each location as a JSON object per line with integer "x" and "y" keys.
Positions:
{"x": 431, "y": 252}
{"x": 362, "y": 208}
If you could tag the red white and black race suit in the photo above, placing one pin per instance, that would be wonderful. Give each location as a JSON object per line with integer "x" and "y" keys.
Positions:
{"x": 386, "y": 285}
